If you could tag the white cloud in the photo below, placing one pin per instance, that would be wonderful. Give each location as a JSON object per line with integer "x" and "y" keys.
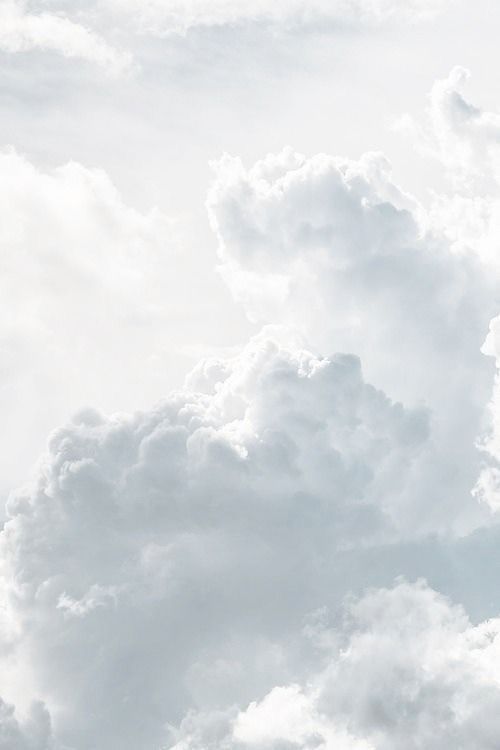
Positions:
{"x": 465, "y": 139}
{"x": 82, "y": 30}
{"x": 408, "y": 670}
{"x": 161, "y": 549}
{"x": 86, "y": 286}
{"x": 32, "y": 734}
{"x": 166, "y": 559}
{"x": 487, "y": 489}
{"x": 21, "y": 31}
{"x": 336, "y": 249}
{"x": 175, "y": 16}
{"x": 462, "y": 136}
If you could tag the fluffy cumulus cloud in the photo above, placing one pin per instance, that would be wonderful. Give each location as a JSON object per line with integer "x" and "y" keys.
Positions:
{"x": 159, "y": 551}
{"x": 406, "y": 669}
{"x": 182, "y": 576}
{"x": 22, "y": 30}
{"x": 465, "y": 140}
{"x": 335, "y": 248}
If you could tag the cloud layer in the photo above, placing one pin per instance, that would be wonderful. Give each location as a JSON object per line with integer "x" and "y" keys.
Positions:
{"x": 22, "y": 30}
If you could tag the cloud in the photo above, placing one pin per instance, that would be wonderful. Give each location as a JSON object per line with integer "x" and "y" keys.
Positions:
{"x": 158, "y": 549}
{"x": 176, "y": 566}
{"x": 465, "y": 140}
{"x": 462, "y": 136}
{"x": 21, "y": 31}
{"x": 334, "y": 248}
{"x": 86, "y": 284}
{"x": 83, "y": 30}
{"x": 62, "y": 30}
{"x": 175, "y": 16}
{"x": 487, "y": 488}
{"x": 406, "y": 669}
{"x": 33, "y": 734}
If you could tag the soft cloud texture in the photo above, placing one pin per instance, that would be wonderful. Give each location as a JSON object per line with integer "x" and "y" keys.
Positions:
{"x": 167, "y": 16}
{"x": 336, "y": 249}
{"x": 182, "y": 576}
{"x": 406, "y": 669}
{"x": 33, "y": 734}
{"x": 22, "y": 30}
{"x": 86, "y": 283}
{"x": 488, "y": 485}
{"x": 465, "y": 140}
{"x": 186, "y": 539}
{"x": 463, "y": 137}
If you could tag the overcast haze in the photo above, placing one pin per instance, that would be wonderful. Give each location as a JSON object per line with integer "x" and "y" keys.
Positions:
{"x": 249, "y": 355}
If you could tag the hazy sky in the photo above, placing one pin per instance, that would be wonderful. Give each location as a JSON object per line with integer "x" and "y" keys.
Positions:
{"x": 250, "y": 435}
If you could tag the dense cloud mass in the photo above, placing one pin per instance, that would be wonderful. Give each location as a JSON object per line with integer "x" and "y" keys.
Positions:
{"x": 280, "y": 554}
{"x": 227, "y": 503}
{"x": 406, "y": 669}
{"x": 336, "y": 249}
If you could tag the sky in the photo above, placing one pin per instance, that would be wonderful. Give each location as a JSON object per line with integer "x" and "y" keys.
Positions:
{"x": 249, "y": 356}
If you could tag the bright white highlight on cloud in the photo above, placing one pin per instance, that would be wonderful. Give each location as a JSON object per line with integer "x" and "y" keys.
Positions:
{"x": 336, "y": 249}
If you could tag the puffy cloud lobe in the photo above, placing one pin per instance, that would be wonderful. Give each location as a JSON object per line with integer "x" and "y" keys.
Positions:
{"x": 21, "y": 30}
{"x": 162, "y": 551}
{"x": 335, "y": 248}
{"x": 406, "y": 669}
